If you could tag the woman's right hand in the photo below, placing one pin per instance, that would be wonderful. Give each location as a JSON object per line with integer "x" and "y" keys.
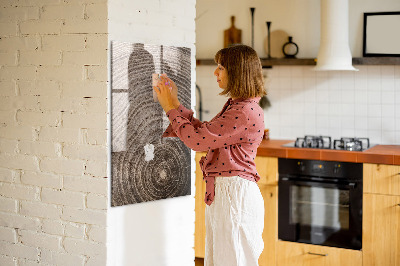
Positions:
{"x": 174, "y": 90}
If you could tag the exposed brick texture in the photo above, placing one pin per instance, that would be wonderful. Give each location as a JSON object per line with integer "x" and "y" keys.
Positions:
{"x": 53, "y": 121}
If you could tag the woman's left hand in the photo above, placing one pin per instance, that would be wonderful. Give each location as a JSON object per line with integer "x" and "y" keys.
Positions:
{"x": 163, "y": 91}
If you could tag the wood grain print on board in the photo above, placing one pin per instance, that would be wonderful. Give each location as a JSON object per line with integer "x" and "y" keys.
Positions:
{"x": 144, "y": 166}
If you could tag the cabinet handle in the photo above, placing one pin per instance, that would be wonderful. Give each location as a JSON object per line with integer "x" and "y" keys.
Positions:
{"x": 398, "y": 204}
{"x": 318, "y": 254}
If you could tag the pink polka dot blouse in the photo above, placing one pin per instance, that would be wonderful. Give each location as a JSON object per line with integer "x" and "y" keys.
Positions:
{"x": 231, "y": 139}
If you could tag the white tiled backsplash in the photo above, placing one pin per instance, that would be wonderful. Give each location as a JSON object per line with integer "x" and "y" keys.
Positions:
{"x": 331, "y": 103}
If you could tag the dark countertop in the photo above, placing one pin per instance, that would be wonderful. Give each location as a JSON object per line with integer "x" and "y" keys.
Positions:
{"x": 379, "y": 154}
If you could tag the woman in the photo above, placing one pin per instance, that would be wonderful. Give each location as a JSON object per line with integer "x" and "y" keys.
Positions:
{"x": 235, "y": 208}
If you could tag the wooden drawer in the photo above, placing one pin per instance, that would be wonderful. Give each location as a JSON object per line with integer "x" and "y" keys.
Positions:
{"x": 381, "y": 179}
{"x": 298, "y": 254}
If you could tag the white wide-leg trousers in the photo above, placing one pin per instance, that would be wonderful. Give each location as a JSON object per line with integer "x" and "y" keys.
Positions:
{"x": 234, "y": 223}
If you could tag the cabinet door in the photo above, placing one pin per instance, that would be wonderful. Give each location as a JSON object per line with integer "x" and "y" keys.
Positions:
{"x": 267, "y": 168}
{"x": 381, "y": 230}
{"x": 381, "y": 179}
{"x": 270, "y": 233}
{"x": 297, "y": 254}
{"x": 200, "y": 207}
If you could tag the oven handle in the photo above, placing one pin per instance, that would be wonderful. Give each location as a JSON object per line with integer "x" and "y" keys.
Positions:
{"x": 297, "y": 181}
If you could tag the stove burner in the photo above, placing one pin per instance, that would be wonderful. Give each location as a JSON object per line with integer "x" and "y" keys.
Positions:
{"x": 324, "y": 142}
{"x": 308, "y": 141}
{"x": 351, "y": 144}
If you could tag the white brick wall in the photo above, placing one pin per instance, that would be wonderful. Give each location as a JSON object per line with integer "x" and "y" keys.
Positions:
{"x": 8, "y": 234}
{"x": 53, "y": 113}
{"x": 61, "y": 258}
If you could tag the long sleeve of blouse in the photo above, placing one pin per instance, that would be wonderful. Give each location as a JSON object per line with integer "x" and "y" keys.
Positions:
{"x": 186, "y": 113}
{"x": 223, "y": 131}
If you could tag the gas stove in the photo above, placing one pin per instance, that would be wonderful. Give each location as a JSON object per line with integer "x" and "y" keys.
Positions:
{"x": 325, "y": 142}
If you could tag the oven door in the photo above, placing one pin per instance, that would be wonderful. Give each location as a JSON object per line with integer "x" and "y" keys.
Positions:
{"x": 321, "y": 212}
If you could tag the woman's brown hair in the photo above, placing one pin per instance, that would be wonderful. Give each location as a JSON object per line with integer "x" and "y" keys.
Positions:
{"x": 245, "y": 78}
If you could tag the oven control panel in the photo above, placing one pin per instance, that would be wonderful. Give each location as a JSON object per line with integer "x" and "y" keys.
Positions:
{"x": 330, "y": 169}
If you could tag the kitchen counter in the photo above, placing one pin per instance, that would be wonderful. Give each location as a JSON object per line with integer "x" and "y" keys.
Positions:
{"x": 379, "y": 154}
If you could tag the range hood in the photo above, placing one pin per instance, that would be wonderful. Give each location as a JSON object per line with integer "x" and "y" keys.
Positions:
{"x": 334, "y": 51}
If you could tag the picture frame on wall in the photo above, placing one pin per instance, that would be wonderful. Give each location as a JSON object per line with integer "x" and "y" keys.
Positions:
{"x": 381, "y": 36}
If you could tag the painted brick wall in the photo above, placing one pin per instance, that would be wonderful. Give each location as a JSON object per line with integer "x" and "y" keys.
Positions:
{"x": 53, "y": 120}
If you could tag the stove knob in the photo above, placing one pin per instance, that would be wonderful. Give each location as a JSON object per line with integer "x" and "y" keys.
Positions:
{"x": 301, "y": 166}
{"x": 336, "y": 169}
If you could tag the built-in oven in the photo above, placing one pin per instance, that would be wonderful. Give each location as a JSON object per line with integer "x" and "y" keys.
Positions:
{"x": 320, "y": 202}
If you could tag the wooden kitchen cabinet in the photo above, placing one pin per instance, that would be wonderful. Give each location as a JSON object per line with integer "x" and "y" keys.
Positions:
{"x": 381, "y": 230}
{"x": 200, "y": 207}
{"x": 267, "y": 167}
{"x": 381, "y": 179}
{"x": 270, "y": 233}
{"x": 381, "y": 215}
{"x": 298, "y": 254}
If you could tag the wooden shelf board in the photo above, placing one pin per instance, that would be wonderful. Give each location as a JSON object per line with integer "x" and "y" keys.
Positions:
{"x": 265, "y": 62}
{"x": 376, "y": 61}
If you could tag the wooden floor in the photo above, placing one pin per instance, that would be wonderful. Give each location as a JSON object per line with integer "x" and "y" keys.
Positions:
{"x": 199, "y": 262}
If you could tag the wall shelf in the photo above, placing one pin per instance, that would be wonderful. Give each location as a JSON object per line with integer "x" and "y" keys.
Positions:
{"x": 312, "y": 61}
{"x": 376, "y": 61}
